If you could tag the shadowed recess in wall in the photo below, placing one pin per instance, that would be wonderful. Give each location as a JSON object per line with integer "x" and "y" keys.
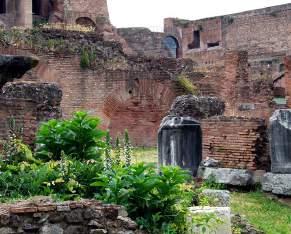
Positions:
{"x": 14, "y": 67}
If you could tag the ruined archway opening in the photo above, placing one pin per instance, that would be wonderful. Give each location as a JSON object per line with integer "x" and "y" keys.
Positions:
{"x": 2, "y": 6}
{"x": 86, "y": 21}
{"x": 36, "y": 7}
{"x": 172, "y": 46}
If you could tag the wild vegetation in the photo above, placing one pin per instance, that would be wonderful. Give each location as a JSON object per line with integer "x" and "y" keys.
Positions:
{"x": 74, "y": 159}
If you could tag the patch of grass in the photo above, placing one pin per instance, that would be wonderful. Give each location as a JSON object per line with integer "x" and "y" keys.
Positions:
{"x": 147, "y": 155}
{"x": 264, "y": 213}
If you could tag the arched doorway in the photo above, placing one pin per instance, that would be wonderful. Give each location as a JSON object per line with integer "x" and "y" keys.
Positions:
{"x": 171, "y": 44}
{"x": 85, "y": 21}
{"x": 2, "y": 6}
{"x": 36, "y": 7}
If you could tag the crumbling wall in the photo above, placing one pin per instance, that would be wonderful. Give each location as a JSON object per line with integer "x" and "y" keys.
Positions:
{"x": 86, "y": 216}
{"x": 127, "y": 92}
{"x": 145, "y": 42}
{"x": 28, "y": 104}
{"x": 236, "y": 142}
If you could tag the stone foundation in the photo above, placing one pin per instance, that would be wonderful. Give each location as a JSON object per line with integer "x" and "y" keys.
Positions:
{"x": 86, "y": 216}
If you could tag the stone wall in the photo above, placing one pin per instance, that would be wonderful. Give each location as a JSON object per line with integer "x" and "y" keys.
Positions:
{"x": 28, "y": 104}
{"x": 236, "y": 142}
{"x": 86, "y": 216}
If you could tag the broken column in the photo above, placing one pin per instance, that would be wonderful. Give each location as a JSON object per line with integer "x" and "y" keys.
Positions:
{"x": 180, "y": 135}
{"x": 278, "y": 181}
{"x": 23, "y": 16}
{"x": 180, "y": 143}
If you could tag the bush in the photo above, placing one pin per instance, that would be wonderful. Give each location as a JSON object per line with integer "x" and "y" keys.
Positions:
{"x": 78, "y": 138}
{"x": 158, "y": 202}
{"x": 65, "y": 179}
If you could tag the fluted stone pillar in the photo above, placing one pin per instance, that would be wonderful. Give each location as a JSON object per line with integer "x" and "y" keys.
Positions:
{"x": 23, "y": 13}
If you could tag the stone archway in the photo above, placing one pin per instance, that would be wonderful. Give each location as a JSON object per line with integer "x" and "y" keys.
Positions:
{"x": 171, "y": 44}
{"x": 86, "y": 21}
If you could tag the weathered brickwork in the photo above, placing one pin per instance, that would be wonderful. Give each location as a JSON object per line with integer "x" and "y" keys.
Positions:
{"x": 23, "y": 112}
{"x": 145, "y": 42}
{"x": 28, "y": 104}
{"x": 126, "y": 92}
{"x": 236, "y": 142}
{"x": 86, "y": 12}
{"x": 86, "y": 216}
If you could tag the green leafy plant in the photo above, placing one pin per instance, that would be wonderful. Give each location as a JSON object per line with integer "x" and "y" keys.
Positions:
{"x": 84, "y": 59}
{"x": 211, "y": 183}
{"x": 186, "y": 85}
{"x": 157, "y": 201}
{"x": 202, "y": 223}
{"x": 78, "y": 138}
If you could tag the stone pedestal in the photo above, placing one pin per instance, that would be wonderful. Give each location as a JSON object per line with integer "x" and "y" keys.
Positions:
{"x": 280, "y": 140}
{"x": 180, "y": 143}
{"x": 279, "y": 184}
{"x": 219, "y": 220}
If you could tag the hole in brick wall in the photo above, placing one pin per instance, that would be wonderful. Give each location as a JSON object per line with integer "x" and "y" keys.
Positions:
{"x": 2, "y": 6}
{"x": 85, "y": 21}
{"x": 130, "y": 91}
{"x": 212, "y": 44}
{"x": 196, "y": 40}
{"x": 36, "y": 6}
{"x": 281, "y": 67}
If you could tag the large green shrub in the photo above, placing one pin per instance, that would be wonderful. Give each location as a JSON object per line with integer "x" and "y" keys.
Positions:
{"x": 65, "y": 179}
{"x": 78, "y": 137}
{"x": 157, "y": 201}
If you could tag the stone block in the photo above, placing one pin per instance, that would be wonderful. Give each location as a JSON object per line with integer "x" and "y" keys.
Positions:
{"x": 218, "y": 198}
{"x": 51, "y": 229}
{"x": 197, "y": 107}
{"x": 219, "y": 220}
{"x": 228, "y": 176}
{"x": 279, "y": 184}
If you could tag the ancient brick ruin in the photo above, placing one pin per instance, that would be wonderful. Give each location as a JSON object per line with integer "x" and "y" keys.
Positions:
{"x": 44, "y": 216}
{"x": 25, "y": 13}
{"x": 132, "y": 80}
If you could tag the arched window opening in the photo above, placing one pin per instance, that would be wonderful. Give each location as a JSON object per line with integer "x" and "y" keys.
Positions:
{"x": 2, "y": 6}
{"x": 36, "y": 7}
{"x": 171, "y": 44}
{"x": 85, "y": 21}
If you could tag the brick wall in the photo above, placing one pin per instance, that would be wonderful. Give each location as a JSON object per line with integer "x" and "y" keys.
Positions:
{"x": 86, "y": 216}
{"x": 23, "y": 112}
{"x": 126, "y": 92}
{"x": 28, "y": 104}
{"x": 144, "y": 42}
{"x": 236, "y": 142}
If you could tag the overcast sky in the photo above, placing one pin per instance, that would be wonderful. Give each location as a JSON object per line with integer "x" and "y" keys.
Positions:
{"x": 150, "y": 13}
